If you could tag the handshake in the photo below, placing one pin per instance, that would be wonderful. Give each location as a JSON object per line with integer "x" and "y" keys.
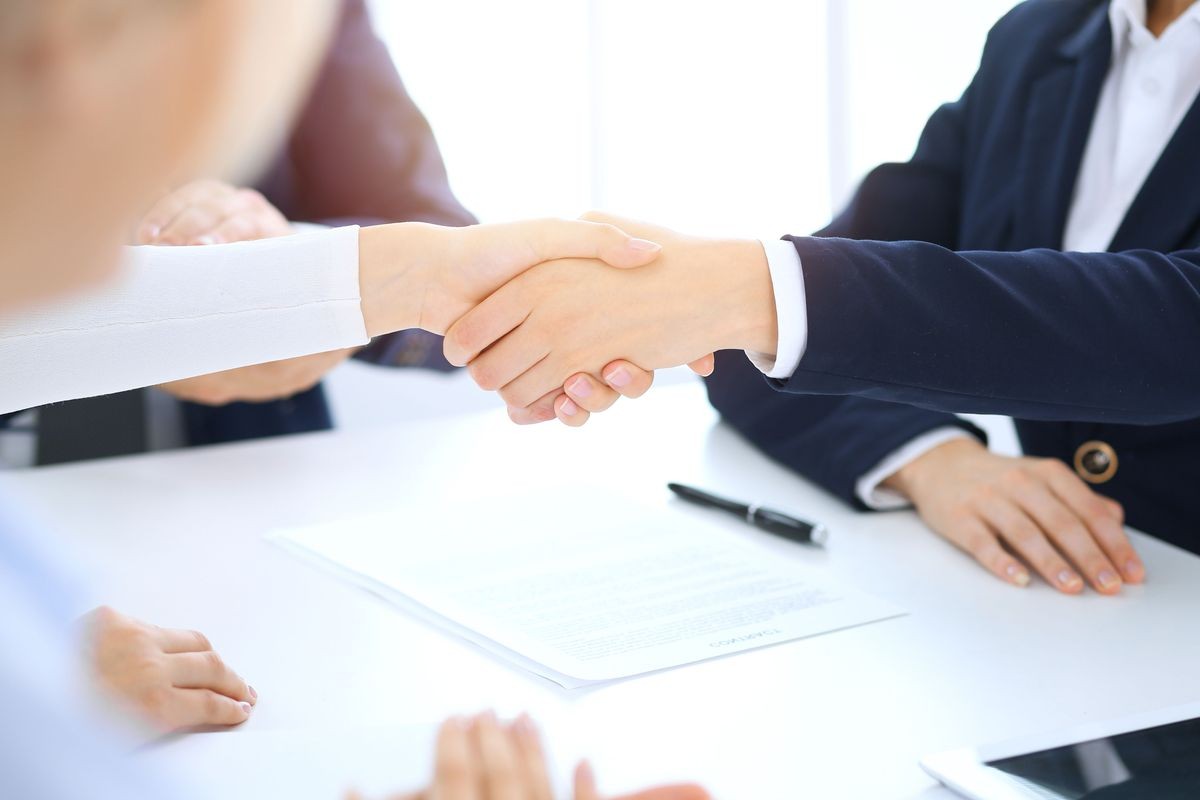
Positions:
{"x": 563, "y": 317}
{"x": 560, "y": 317}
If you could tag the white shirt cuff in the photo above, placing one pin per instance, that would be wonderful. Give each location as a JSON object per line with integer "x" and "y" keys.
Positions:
{"x": 879, "y": 498}
{"x": 787, "y": 281}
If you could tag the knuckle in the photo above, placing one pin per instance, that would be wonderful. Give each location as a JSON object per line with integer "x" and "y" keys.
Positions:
{"x": 156, "y": 700}
{"x": 200, "y": 641}
{"x": 1016, "y": 477}
{"x": 1052, "y": 468}
{"x": 212, "y": 661}
{"x": 484, "y": 377}
{"x": 211, "y": 706}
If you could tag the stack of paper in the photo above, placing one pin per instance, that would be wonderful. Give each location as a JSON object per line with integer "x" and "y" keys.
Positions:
{"x": 592, "y": 589}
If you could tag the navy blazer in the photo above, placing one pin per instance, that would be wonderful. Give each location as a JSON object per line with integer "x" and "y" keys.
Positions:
{"x": 360, "y": 153}
{"x": 942, "y": 287}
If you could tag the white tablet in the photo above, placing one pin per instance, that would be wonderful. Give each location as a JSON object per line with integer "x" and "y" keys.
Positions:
{"x": 1150, "y": 756}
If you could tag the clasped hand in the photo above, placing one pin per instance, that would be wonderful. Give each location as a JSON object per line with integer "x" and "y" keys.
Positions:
{"x": 569, "y": 336}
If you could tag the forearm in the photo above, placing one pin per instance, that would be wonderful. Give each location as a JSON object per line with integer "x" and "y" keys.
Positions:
{"x": 832, "y": 441}
{"x": 1038, "y": 334}
{"x": 176, "y": 312}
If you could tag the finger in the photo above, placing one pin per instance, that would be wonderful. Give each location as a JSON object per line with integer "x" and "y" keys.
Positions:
{"x": 590, "y": 394}
{"x": 554, "y": 239}
{"x": 497, "y": 750}
{"x": 208, "y": 671}
{"x": 543, "y": 410}
{"x": 532, "y": 759}
{"x": 1103, "y": 517}
{"x": 455, "y": 773}
{"x": 973, "y": 536}
{"x": 704, "y": 366}
{"x": 165, "y": 211}
{"x": 485, "y": 324}
{"x": 569, "y": 413}
{"x": 681, "y": 792}
{"x": 234, "y": 228}
{"x": 181, "y": 641}
{"x": 506, "y": 361}
{"x": 1070, "y": 535}
{"x": 1022, "y": 534}
{"x": 193, "y": 225}
{"x": 534, "y": 382}
{"x": 188, "y": 708}
{"x": 628, "y": 380}
{"x": 585, "y": 782}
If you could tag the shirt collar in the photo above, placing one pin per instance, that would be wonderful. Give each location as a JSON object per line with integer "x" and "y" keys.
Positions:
{"x": 1128, "y": 20}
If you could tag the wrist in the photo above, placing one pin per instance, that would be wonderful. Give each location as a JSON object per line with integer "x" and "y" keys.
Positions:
{"x": 393, "y": 279}
{"x": 751, "y": 321}
{"x": 911, "y": 479}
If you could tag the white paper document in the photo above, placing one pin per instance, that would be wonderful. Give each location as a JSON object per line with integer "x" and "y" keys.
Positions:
{"x": 590, "y": 589}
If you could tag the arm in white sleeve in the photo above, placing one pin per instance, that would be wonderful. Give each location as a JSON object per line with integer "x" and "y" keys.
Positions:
{"x": 178, "y": 312}
{"x": 787, "y": 281}
{"x": 879, "y": 498}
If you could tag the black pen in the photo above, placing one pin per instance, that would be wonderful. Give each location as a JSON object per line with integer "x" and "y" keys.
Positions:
{"x": 779, "y": 524}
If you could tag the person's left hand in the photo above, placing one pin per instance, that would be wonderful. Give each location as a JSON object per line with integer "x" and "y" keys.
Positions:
{"x": 211, "y": 212}
{"x": 259, "y": 383}
{"x": 485, "y": 759}
{"x": 172, "y": 679}
{"x": 573, "y": 317}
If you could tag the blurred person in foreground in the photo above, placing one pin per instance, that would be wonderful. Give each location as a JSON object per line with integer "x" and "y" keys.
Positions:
{"x": 100, "y": 99}
{"x": 360, "y": 152}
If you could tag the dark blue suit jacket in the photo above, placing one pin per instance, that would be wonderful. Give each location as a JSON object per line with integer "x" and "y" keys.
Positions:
{"x": 942, "y": 288}
{"x": 361, "y": 153}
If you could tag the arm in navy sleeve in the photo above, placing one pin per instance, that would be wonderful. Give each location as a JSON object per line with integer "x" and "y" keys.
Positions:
{"x": 833, "y": 441}
{"x": 1040, "y": 334}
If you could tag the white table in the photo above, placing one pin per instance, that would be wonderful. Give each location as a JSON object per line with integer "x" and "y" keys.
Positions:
{"x": 350, "y": 687}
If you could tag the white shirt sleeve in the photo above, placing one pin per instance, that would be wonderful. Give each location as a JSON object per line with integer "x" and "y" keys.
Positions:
{"x": 787, "y": 280}
{"x": 868, "y": 487}
{"x": 178, "y": 312}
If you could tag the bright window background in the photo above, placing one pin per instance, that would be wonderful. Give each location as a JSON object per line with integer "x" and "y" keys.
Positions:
{"x": 754, "y": 118}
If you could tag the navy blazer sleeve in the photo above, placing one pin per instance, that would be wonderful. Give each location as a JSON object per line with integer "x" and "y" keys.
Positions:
{"x": 1040, "y": 334}
{"x": 835, "y": 440}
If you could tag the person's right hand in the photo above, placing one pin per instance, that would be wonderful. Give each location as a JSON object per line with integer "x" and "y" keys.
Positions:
{"x": 172, "y": 679}
{"x": 484, "y": 759}
{"x": 1009, "y": 512}
{"x": 415, "y": 275}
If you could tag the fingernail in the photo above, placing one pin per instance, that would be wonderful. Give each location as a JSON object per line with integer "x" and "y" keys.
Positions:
{"x": 1017, "y": 575}
{"x": 619, "y": 378}
{"x": 203, "y": 240}
{"x": 644, "y": 246}
{"x": 525, "y": 726}
{"x": 246, "y": 707}
{"x": 253, "y": 693}
{"x": 152, "y": 232}
{"x": 586, "y": 774}
{"x": 568, "y": 408}
{"x": 1108, "y": 579}
{"x": 1069, "y": 580}
{"x": 1134, "y": 571}
{"x": 580, "y": 387}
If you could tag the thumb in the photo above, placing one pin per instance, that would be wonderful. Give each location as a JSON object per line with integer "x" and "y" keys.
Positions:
{"x": 554, "y": 239}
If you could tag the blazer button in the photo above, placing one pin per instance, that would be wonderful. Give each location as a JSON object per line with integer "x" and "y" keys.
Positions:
{"x": 1096, "y": 462}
